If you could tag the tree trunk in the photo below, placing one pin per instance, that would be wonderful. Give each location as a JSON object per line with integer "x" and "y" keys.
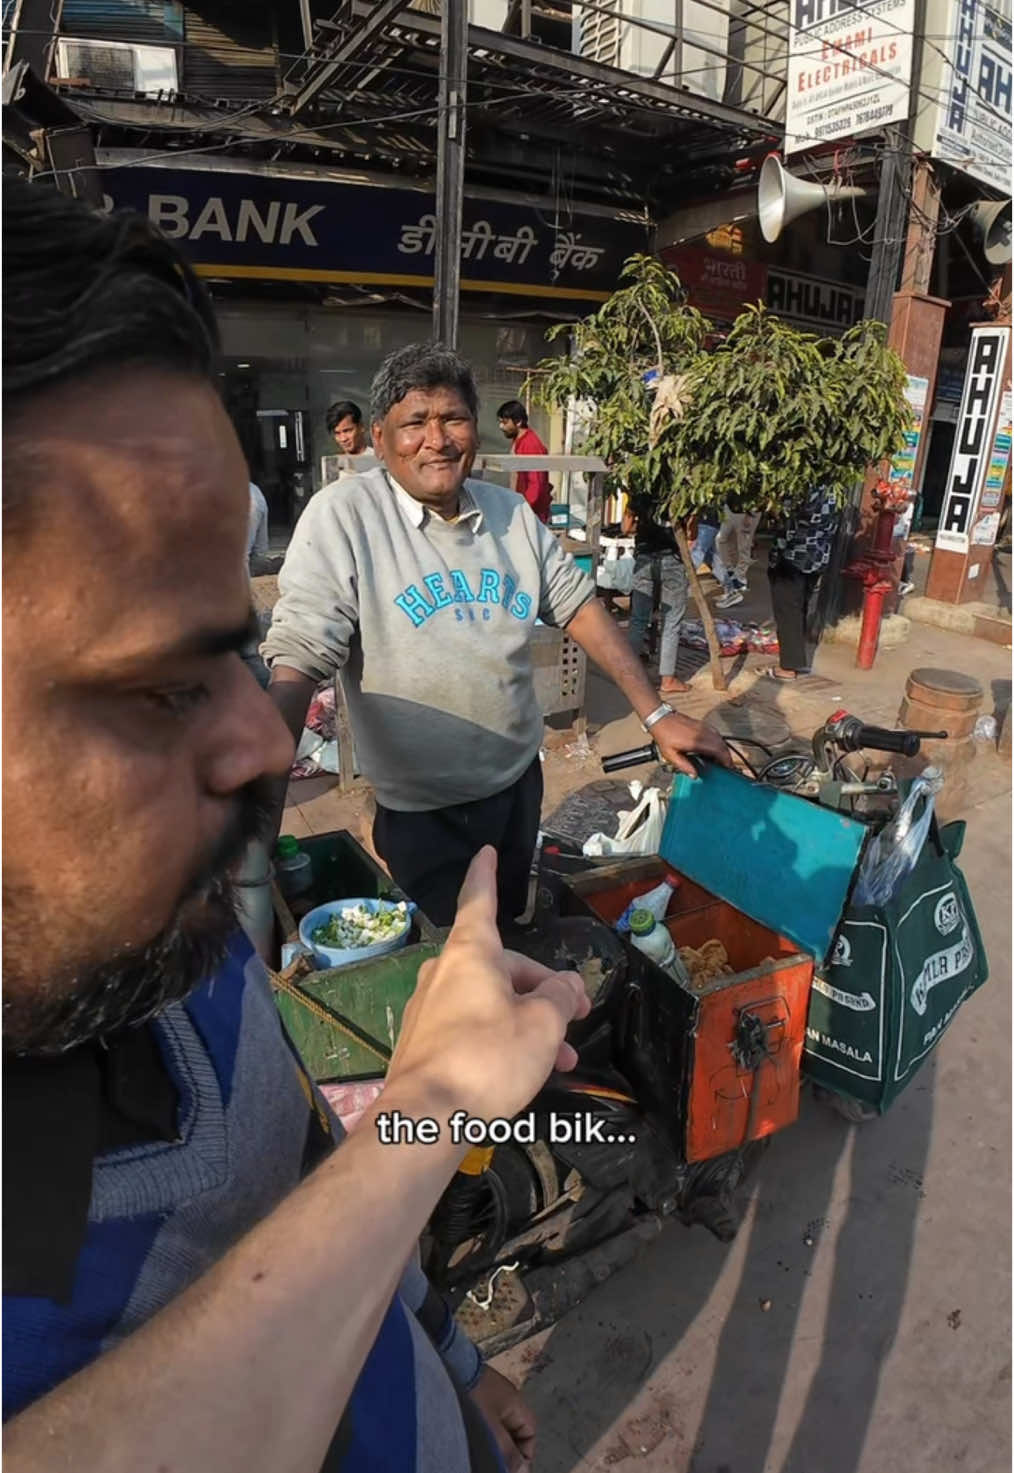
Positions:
{"x": 707, "y": 620}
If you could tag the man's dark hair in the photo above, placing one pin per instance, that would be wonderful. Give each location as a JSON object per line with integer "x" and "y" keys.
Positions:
{"x": 515, "y": 410}
{"x": 86, "y": 290}
{"x": 343, "y": 409}
{"x": 421, "y": 366}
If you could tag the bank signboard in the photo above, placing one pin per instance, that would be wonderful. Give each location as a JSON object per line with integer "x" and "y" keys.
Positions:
{"x": 849, "y": 69}
{"x": 283, "y": 227}
{"x": 975, "y": 452}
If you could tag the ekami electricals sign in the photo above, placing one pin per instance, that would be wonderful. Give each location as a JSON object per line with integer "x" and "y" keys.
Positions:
{"x": 849, "y": 69}
{"x": 973, "y": 440}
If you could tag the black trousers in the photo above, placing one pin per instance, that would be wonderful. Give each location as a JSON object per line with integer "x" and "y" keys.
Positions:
{"x": 428, "y": 853}
{"x": 791, "y": 598}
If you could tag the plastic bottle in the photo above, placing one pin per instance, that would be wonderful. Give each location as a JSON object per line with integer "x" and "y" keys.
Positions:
{"x": 293, "y": 868}
{"x": 654, "y": 940}
{"x": 656, "y": 901}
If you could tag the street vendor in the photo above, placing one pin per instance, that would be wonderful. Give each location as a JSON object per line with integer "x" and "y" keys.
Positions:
{"x": 423, "y": 587}
{"x": 194, "y": 1278}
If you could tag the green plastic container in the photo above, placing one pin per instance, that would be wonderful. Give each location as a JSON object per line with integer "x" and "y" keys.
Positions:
{"x": 342, "y": 870}
{"x": 371, "y": 995}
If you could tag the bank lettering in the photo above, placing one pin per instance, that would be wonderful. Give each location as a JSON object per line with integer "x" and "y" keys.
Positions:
{"x": 272, "y": 223}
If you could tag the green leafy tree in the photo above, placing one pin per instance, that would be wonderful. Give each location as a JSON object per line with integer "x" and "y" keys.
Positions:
{"x": 766, "y": 416}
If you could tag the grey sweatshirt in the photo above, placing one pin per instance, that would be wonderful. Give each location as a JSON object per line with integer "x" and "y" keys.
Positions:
{"x": 430, "y": 623}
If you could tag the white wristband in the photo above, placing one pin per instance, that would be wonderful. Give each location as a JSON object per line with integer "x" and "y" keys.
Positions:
{"x": 659, "y": 714}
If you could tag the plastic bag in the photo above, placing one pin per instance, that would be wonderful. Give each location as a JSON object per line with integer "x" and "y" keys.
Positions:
{"x": 616, "y": 572}
{"x": 640, "y": 828}
{"x": 318, "y": 746}
{"x": 894, "y": 853}
{"x": 623, "y": 574}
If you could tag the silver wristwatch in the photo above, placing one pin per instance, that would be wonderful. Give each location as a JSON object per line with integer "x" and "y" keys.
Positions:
{"x": 659, "y": 714}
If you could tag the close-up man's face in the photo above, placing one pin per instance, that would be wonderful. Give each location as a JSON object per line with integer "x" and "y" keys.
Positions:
{"x": 349, "y": 436}
{"x": 428, "y": 442}
{"x": 510, "y": 428}
{"x": 136, "y": 742}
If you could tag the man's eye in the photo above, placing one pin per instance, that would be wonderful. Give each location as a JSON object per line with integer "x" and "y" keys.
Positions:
{"x": 177, "y": 700}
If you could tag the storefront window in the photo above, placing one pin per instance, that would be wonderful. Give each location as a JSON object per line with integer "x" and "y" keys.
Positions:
{"x": 284, "y": 366}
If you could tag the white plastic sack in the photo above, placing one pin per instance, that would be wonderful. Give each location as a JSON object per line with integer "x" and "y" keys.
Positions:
{"x": 623, "y": 574}
{"x": 640, "y": 828}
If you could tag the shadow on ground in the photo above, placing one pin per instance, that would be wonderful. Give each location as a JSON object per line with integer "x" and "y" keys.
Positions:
{"x": 829, "y": 1199}
{"x": 600, "y": 1356}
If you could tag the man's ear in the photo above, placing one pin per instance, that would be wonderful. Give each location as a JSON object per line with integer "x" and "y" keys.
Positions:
{"x": 377, "y": 438}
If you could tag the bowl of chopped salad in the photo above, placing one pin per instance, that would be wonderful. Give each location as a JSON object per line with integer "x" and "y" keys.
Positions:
{"x": 344, "y": 931}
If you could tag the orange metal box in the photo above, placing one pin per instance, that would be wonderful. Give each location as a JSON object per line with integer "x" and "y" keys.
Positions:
{"x": 677, "y": 1046}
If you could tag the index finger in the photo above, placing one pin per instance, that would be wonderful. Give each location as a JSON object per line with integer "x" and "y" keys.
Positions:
{"x": 475, "y": 917}
{"x": 526, "y": 975}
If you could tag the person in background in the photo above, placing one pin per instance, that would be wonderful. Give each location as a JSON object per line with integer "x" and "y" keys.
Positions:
{"x": 532, "y": 485}
{"x": 200, "y": 1271}
{"x": 258, "y": 557}
{"x": 702, "y": 552}
{"x": 660, "y": 580}
{"x": 799, "y": 554}
{"x": 734, "y": 547}
{"x": 423, "y": 587}
{"x": 345, "y": 426}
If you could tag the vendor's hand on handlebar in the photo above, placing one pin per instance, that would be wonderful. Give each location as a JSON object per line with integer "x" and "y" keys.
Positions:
{"x": 485, "y": 1026}
{"x": 676, "y": 736}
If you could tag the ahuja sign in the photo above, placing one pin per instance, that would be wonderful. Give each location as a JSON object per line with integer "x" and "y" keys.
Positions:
{"x": 973, "y": 440}
{"x": 973, "y": 123}
{"x": 828, "y": 306}
{"x": 849, "y": 69}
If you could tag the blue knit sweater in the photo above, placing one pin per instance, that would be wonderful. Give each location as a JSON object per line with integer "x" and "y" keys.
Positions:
{"x": 163, "y": 1212}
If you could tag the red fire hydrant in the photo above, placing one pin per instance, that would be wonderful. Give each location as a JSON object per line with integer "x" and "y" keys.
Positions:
{"x": 873, "y": 613}
{"x": 872, "y": 570}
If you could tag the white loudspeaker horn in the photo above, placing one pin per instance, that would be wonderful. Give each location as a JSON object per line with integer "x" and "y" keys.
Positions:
{"x": 782, "y": 198}
{"x": 991, "y": 221}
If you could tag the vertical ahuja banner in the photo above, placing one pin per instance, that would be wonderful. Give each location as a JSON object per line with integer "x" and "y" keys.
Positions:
{"x": 973, "y": 120}
{"x": 849, "y": 69}
{"x": 974, "y": 438}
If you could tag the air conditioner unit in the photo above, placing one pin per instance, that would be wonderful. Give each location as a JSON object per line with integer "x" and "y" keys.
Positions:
{"x": 117, "y": 66}
{"x": 614, "y": 40}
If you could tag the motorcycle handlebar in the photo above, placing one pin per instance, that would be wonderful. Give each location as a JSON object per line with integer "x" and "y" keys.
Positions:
{"x": 880, "y": 739}
{"x": 635, "y": 757}
{"x": 873, "y": 738}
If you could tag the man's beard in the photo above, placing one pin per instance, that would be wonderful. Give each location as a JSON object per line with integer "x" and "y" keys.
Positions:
{"x": 141, "y": 982}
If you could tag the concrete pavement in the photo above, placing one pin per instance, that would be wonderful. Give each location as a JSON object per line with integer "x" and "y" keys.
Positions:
{"x": 883, "y": 1252}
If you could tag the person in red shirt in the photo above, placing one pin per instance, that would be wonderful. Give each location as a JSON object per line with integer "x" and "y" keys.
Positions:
{"x": 532, "y": 485}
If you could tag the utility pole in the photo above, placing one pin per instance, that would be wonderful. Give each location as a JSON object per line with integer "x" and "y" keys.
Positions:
{"x": 891, "y": 224}
{"x": 891, "y": 235}
{"x": 450, "y": 169}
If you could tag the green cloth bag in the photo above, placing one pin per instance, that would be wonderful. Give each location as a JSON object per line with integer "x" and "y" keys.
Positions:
{"x": 896, "y": 978}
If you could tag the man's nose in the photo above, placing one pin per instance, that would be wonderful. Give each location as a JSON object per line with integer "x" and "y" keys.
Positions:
{"x": 436, "y": 434}
{"x": 251, "y": 740}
